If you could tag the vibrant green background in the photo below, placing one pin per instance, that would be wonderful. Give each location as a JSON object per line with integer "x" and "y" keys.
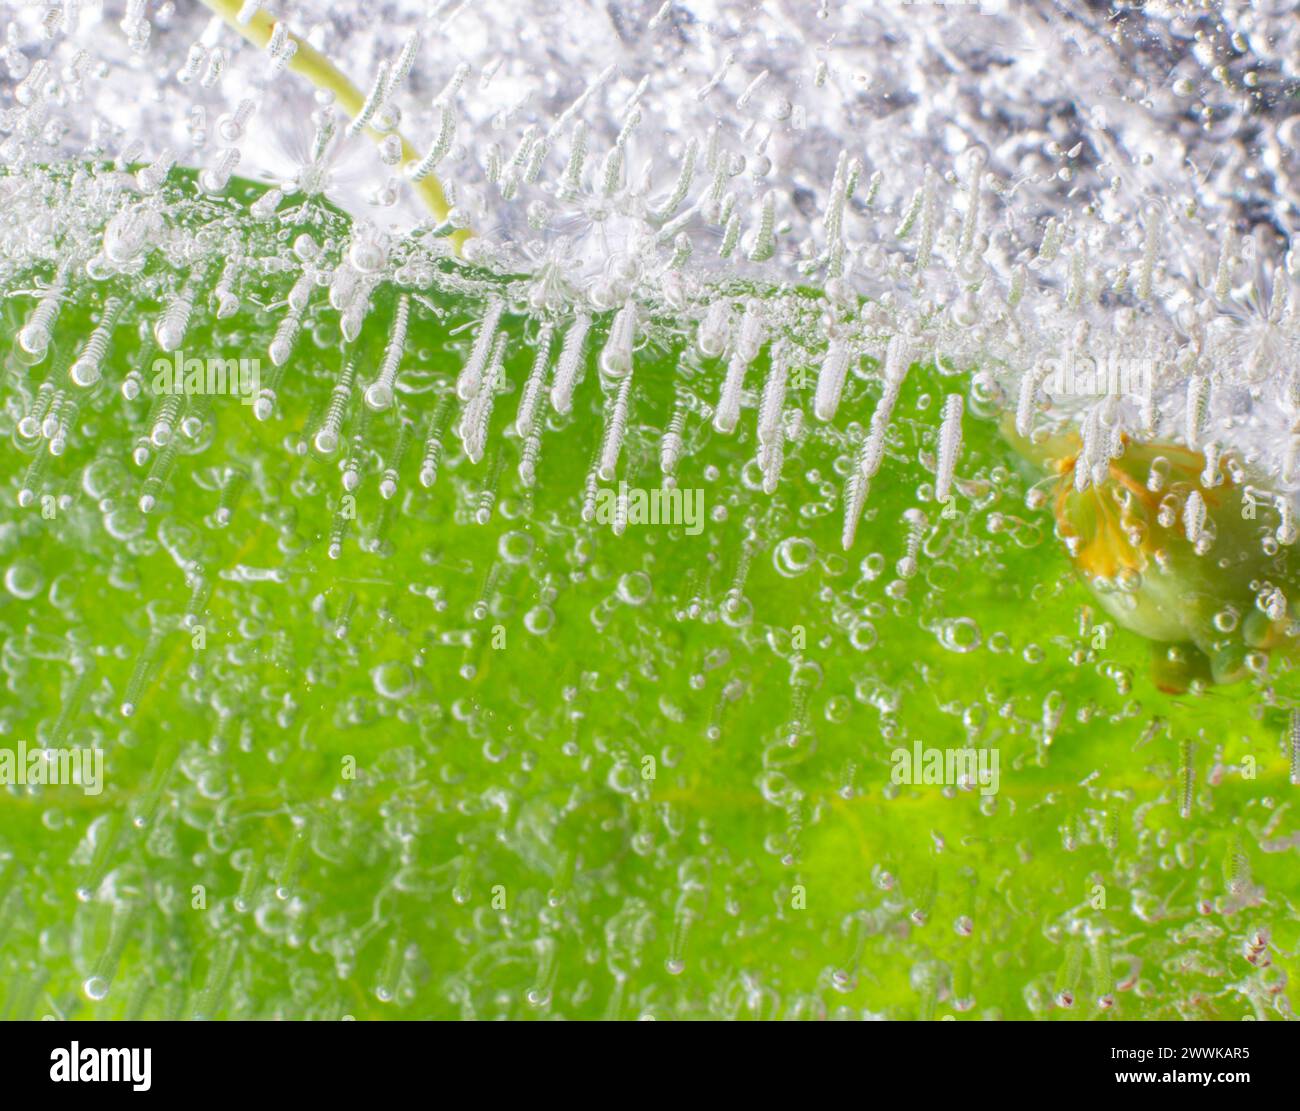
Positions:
{"x": 498, "y": 687}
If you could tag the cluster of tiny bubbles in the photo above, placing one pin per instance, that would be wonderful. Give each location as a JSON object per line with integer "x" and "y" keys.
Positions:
{"x": 589, "y": 571}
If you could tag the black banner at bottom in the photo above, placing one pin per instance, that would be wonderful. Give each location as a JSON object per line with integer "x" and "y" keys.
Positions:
{"x": 346, "y": 1059}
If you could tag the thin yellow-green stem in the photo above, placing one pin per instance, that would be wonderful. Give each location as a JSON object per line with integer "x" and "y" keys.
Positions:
{"x": 321, "y": 72}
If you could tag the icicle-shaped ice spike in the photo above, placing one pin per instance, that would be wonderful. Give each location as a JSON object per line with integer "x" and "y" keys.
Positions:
{"x": 749, "y": 341}
{"x": 351, "y": 474}
{"x": 433, "y": 442}
{"x": 615, "y": 430}
{"x": 1210, "y": 476}
{"x": 1027, "y": 401}
{"x": 34, "y": 479}
{"x": 671, "y": 446}
{"x": 730, "y": 236}
{"x": 715, "y": 328}
{"x": 231, "y": 126}
{"x": 976, "y": 160}
{"x": 232, "y": 486}
{"x": 51, "y": 422}
{"x": 736, "y": 591}
{"x": 327, "y": 436}
{"x": 217, "y": 176}
{"x": 856, "y": 487}
{"x": 536, "y": 157}
{"x": 897, "y": 362}
{"x": 1051, "y": 243}
{"x": 532, "y": 393}
{"x": 487, "y": 500}
{"x": 1147, "y": 413}
{"x": 619, "y": 524}
{"x": 764, "y": 245}
{"x": 831, "y": 377}
{"x": 67, "y": 419}
{"x": 616, "y": 357}
{"x": 1077, "y": 286}
{"x": 343, "y": 286}
{"x": 1286, "y": 533}
{"x": 216, "y": 67}
{"x": 528, "y": 457}
{"x": 1016, "y": 291}
{"x": 286, "y": 334}
{"x": 29, "y": 427}
{"x": 135, "y": 686}
{"x": 742, "y": 102}
{"x": 833, "y": 219}
{"x": 913, "y": 210}
{"x": 926, "y": 235}
{"x": 175, "y": 319}
{"x": 949, "y": 446}
{"x": 591, "y": 485}
{"x": 1198, "y": 410}
{"x": 441, "y": 145}
{"x": 223, "y": 293}
{"x": 1186, "y": 779}
{"x": 1276, "y": 607}
{"x": 194, "y": 59}
{"x": 135, "y": 23}
{"x": 1293, "y": 737}
{"x": 451, "y": 90}
{"x": 515, "y": 169}
{"x": 378, "y": 90}
{"x": 727, "y": 62}
{"x": 280, "y": 48}
{"x": 125, "y": 918}
{"x": 571, "y": 181}
{"x": 34, "y": 338}
{"x": 159, "y": 473}
{"x": 84, "y": 675}
{"x": 685, "y": 175}
{"x": 916, "y": 525}
{"x": 873, "y": 188}
{"x": 492, "y": 164}
{"x": 771, "y": 428}
{"x": 379, "y": 394}
{"x": 471, "y": 377}
{"x": 723, "y": 171}
{"x": 164, "y": 424}
{"x": 1280, "y": 310}
{"x": 771, "y": 458}
{"x": 340, "y": 526}
{"x": 1194, "y": 518}
{"x": 202, "y": 588}
{"x": 150, "y": 178}
{"x": 354, "y": 316}
{"x": 265, "y": 402}
{"x": 575, "y": 109}
{"x": 31, "y": 90}
{"x": 478, "y": 409}
{"x": 88, "y": 367}
{"x": 1291, "y": 459}
{"x": 682, "y": 249}
{"x": 1155, "y": 221}
{"x": 1088, "y": 454}
{"x": 266, "y": 205}
{"x": 1223, "y": 272}
{"x": 144, "y": 445}
{"x": 392, "y": 472}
